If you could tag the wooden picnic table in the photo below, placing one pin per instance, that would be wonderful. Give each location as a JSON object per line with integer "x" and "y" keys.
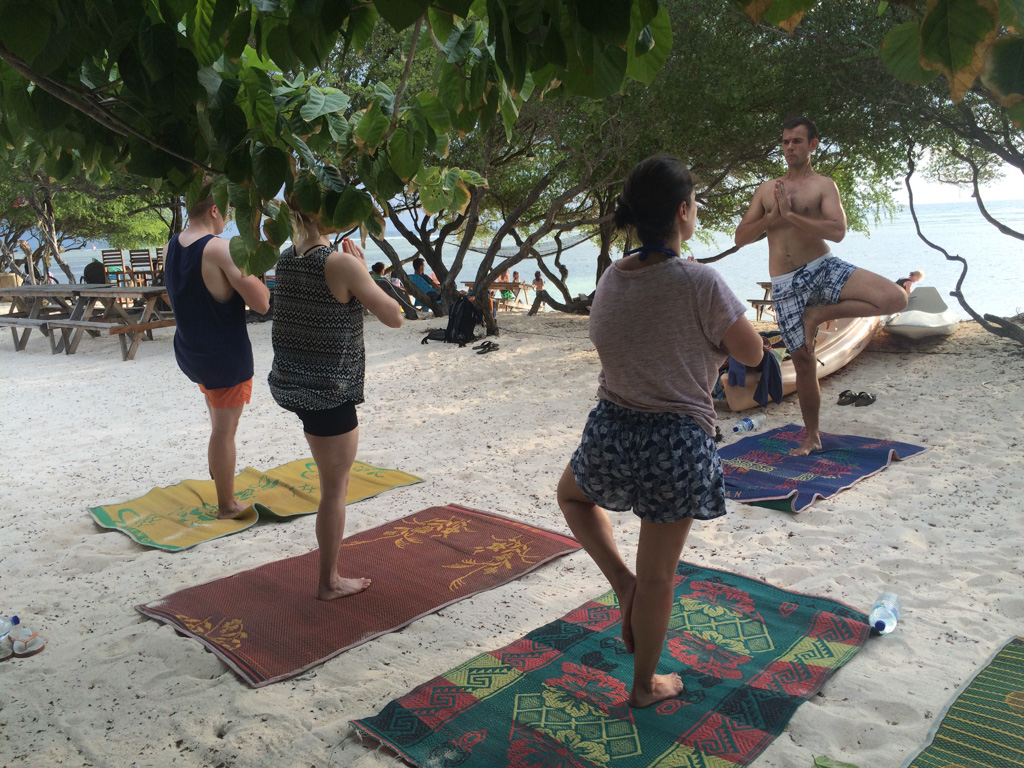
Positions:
{"x": 760, "y": 305}
{"x": 76, "y": 309}
{"x": 520, "y": 292}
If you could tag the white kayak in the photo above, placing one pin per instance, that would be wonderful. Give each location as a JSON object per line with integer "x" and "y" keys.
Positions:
{"x": 926, "y": 315}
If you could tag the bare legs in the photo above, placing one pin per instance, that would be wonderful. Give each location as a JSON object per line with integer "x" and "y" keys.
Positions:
{"x": 645, "y": 599}
{"x": 334, "y": 457}
{"x": 221, "y": 457}
{"x": 864, "y": 295}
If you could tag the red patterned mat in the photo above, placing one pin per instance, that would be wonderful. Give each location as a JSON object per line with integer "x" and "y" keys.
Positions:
{"x": 267, "y": 624}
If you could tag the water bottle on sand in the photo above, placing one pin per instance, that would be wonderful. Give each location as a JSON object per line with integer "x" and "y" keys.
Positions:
{"x": 885, "y": 613}
{"x": 7, "y": 623}
{"x": 750, "y": 424}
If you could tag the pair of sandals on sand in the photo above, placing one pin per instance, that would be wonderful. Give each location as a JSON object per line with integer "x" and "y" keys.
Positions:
{"x": 487, "y": 346}
{"x": 849, "y": 397}
{"x": 21, "y": 643}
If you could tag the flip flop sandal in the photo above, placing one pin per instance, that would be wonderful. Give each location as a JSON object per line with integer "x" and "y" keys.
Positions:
{"x": 865, "y": 398}
{"x": 6, "y": 649}
{"x": 847, "y": 397}
{"x": 25, "y": 642}
{"x": 485, "y": 345}
{"x": 485, "y": 350}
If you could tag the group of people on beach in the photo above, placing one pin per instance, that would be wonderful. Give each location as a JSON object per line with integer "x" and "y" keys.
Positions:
{"x": 662, "y": 326}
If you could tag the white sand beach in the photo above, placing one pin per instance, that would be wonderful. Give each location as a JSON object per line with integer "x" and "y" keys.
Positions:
{"x": 493, "y": 431}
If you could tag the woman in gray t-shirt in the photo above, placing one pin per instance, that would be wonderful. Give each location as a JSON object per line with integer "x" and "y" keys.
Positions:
{"x": 662, "y": 326}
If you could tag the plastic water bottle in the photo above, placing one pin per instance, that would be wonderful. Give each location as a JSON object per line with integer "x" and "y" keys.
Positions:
{"x": 750, "y": 424}
{"x": 7, "y": 623}
{"x": 885, "y": 613}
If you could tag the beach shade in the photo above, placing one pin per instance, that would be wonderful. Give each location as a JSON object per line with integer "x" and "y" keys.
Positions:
{"x": 268, "y": 625}
{"x": 759, "y": 469}
{"x": 748, "y": 653}
{"x": 983, "y": 726}
{"x": 181, "y": 516}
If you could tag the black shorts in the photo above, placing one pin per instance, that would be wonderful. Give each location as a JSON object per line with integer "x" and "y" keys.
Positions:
{"x": 329, "y": 422}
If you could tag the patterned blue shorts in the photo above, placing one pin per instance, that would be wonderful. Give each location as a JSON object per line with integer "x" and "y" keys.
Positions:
{"x": 817, "y": 282}
{"x": 661, "y": 465}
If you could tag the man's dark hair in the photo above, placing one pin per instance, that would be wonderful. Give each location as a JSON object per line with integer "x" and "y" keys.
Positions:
{"x": 378, "y": 268}
{"x": 417, "y": 264}
{"x": 200, "y": 208}
{"x": 793, "y": 122}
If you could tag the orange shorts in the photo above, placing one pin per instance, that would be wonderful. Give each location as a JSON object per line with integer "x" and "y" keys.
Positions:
{"x": 229, "y": 397}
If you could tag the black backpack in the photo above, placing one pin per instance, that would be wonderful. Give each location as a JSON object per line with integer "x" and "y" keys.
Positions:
{"x": 462, "y": 320}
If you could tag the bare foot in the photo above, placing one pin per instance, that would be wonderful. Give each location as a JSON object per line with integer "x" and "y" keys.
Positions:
{"x": 811, "y": 322}
{"x": 660, "y": 688}
{"x": 342, "y": 588}
{"x": 810, "y": 444}
{"x": 230, "y": 512}
{"x": 626, "y": 610}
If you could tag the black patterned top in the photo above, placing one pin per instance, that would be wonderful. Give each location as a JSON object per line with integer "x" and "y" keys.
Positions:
{"x": 319, "y": 358}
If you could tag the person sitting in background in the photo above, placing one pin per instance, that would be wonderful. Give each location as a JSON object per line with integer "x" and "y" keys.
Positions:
{"x": 396, "y": 293}
{"x": 424, "y": 283}
{"x": 907, "y": 283}
{"x": 515, "y": 277}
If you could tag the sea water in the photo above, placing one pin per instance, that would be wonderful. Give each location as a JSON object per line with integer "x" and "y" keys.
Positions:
{"x": 994, "y": 283}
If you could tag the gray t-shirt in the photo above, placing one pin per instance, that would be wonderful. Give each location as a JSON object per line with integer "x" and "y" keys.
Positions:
{"x": 658, "y": 331}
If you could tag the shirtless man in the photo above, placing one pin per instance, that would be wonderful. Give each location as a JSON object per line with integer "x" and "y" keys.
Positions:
{"x": 208, "y": 294}
{"x": 800, "y": 211}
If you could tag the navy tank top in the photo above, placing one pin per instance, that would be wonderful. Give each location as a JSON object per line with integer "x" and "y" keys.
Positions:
{"x": 319, "y": 357}
{"x": 211, "y": 343}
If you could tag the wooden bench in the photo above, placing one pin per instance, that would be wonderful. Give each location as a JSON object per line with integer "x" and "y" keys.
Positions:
{"x": 760, "y": 305}
{"x": 75, "y": 328}
{"x": 22, "y": 327}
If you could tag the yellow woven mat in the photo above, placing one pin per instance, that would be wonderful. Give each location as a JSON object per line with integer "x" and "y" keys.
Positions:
{"x": 183, "y": 515}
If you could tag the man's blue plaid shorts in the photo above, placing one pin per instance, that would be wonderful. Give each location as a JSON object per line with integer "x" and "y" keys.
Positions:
{"x": 663, "y": 466}
{"x": 817, "y": 282}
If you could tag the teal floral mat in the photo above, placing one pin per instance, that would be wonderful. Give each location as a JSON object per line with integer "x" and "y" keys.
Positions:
{"x": 748, "y": 653}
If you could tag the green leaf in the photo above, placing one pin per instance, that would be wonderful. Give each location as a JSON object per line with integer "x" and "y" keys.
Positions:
{"x": 402, "y": 152}
{"x": 278, "y": 228}
{"x": 820, "y": 761}
{"x": 330, "y": 177}
{"x": 472, "y": 178}
{"x": 954, "y": 37}
{"x": 25, "y": 28}
{"x": 307, "y": 194}
{"x": 1011, "y": 14}
{"x": 458, "y": 7}
{"x": 354, "y": 206}
{"x": 360, "y": 26}
{"x": 269, "y": 169}
{"x": 435, "y": 112}
{"x": 459, "y": 42}
{"x": 199, "y": 24}
{"x": 238, "y": 35}
{"x": 644, "y": 65}
{"x": 263, "y": 259}
{"x": 401, "y": 13}
{"x": 279, "y": 48}
{"x": 1016, "y": 113}
{"x": 1004, "y": 70}
{"x": 239, "y": 252}
{"x": 786, "y": 14}
{"x": 608, "y": 20}
{"x": 900, "y": 54}
{"x": 320, "y": 102}
{"x": 441, "y": 23}
{"x": 220, "y": 194}
{"x": 372, "y": 128}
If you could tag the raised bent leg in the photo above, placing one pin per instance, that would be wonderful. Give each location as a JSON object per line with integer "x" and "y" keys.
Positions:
{"x": 592, "y": 528}
{"x": 221, "y": 457}
{"x": 865, "y": 294}
{"x": 334, "y": 457}
{"x": 809, "y": 392}
{"x": 657, "y": 557}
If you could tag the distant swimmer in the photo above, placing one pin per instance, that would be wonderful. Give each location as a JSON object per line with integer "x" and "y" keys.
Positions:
{"x": 907, "y": 283}
{"x": 810, "y": 286}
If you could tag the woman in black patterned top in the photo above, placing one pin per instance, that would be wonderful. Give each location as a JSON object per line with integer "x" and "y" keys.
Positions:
{"x": 319, "y": 363}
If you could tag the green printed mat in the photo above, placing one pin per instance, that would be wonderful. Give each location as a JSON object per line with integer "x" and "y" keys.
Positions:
{"x": 748, "y": 653}
{"x": 184, "y": 515}
{"x": 983, "y": 727}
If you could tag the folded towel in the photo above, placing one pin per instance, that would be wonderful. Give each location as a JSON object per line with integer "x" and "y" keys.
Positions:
{"x": 770, "y": 385}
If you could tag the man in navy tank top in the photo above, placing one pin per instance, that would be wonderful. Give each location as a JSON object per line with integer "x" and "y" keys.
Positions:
{"x": 209, "y": 294}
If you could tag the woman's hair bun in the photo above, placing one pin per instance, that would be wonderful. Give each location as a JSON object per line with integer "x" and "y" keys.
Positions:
{"x": 623, "y": 213}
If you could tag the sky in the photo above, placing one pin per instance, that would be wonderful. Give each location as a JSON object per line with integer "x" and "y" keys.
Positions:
{"x": 1010, "y": 187}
